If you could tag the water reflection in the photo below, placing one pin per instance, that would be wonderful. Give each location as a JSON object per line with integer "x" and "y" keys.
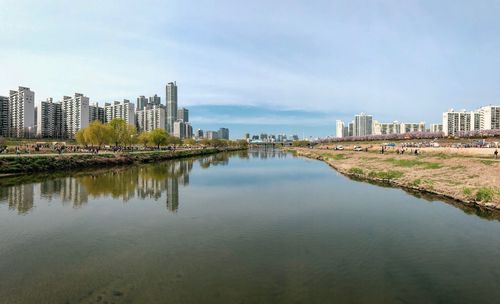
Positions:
{"x": 158, "y": 182}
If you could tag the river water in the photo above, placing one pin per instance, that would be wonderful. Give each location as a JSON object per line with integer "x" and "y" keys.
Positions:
{"x": 256, "y": 227}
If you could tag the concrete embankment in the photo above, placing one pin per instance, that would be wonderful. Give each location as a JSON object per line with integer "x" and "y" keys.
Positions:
{"x": 43, "y": 163}
{"x": 467, "y": 180}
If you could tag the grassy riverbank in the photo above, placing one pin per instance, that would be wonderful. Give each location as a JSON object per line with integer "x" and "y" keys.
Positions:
{"x": 43, "y": 163}
{"x": 466, "y": 179}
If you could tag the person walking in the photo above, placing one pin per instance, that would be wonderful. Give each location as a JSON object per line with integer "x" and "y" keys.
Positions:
{"x": 496, "y": 153}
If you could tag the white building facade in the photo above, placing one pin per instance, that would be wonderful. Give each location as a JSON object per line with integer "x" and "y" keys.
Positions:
{"x": 21, "y": 122}
{"x": 120, "y": 109}
{"x": 75, "y": 114}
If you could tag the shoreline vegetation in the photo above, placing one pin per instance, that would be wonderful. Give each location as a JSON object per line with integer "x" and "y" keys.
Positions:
{"x": 16, "y": 165}
{"x": 468, "y": 180}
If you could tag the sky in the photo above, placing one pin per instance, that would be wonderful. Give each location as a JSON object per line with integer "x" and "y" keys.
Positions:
{"x": 280, "y": 66}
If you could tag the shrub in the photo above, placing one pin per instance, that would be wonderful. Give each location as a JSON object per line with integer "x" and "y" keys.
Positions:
{"x": 388, "y": 175}
{"x": 484, "y": 194}
{"x": 356, "y": 170}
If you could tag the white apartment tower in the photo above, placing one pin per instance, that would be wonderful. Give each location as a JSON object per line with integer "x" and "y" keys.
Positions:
{"x": 455, "y": 122}
{"x": 363, "y": 125}
{"x": 152, "y": 117}
{"x": 339, "y": 129}
{"x": 21, "y": 112}
{"x": 120, "y": 109}
{"x": 75, "y": 114}
{"x": 489, "y": 118}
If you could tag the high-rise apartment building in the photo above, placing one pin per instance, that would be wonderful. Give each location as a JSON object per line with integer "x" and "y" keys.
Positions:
{"x": 412, "y": 127}
{"x": 154, "y": 100}
{"x": 199, "y": 133}
{"x": 339, "y": 129}
{"x": 489, "y": 118}
{"x": 97, "y": 113}
{"x": 4, "y": 116}
{"x": 363, "y": 125}
{"x": 75, "y": 114}
{"x": 350, "y": 129}
{"x": 120, "y": 109}
{"x": 435, "y": 128}
{"x": 455, "y": 122}
{"x": 211, "y": 135}
{"x": 183, "y": 114}
{"x": 152, "y": 117}
{"x": 49, "y": 119}
{"x": 21, "y": 112}
{"x": 171, "y": 99}
{"x": 223, "y": 133}
{"x": 183, "y": 129}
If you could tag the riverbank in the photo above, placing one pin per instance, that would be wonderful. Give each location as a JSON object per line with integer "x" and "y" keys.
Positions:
{"x": 468, "y": 180}
{"x": 12, "y": 165}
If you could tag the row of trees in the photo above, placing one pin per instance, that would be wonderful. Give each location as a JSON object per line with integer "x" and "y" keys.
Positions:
{"x": 119, "y": 133}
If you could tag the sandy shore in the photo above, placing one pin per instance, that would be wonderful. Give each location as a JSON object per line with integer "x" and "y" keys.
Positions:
{"x": 471, "y": 180}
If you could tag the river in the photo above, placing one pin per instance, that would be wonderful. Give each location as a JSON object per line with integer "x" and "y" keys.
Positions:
{"x": 247, "y": 227}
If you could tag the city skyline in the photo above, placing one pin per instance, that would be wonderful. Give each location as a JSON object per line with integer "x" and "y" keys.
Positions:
{"x": 392, "y": 60}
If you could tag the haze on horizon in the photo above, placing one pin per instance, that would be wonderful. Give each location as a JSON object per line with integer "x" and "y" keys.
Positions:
{"x": 274, "y": 66}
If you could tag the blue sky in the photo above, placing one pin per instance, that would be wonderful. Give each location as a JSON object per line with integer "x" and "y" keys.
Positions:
{"x": 262, "y": 66}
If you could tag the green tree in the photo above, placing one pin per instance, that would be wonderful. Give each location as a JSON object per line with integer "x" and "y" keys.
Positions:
{"x": 158, "y": 137}
{"x": 189, "y": 141}
{"x": 80, "y": 137}
{"x": 97, "y": 133}
{"x": 119, "y": 131}
{"x": 131, "y": 136}
{"x": 144, "y": 138}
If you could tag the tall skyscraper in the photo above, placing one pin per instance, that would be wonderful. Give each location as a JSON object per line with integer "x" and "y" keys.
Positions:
{"x": 155, "y": 100}
{"x": 21, "y": 112}
{"x": 363, "y": 125}
{"x": 171, "y": 98}
{"x": 4, "y": 116}
{"x": 142, "y": 101}
{"x": 339, "y": 128}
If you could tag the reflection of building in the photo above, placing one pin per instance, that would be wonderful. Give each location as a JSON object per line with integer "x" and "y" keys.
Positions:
{"x": 144, "y": 182}
{"x": 20, "y": 197}
{"x": 172, "y": 194}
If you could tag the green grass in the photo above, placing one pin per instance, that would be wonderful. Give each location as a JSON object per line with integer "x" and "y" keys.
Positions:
{"x": 388, "y": 175}
{"x": 416, "y": 182}
{"x": 485, "y": 194}
{"x": 488, "y": 162}
{"x": 409, "y": 163}
{"x": 356, "y": 170}
{"x": 467, "y": 191}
